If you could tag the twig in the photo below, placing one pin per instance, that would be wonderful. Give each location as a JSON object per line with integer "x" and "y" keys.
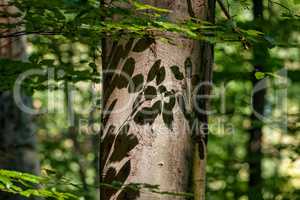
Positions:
{"x": 281, "y": 5}
{"x": 223, "y": 8}
{"x": 242, "y": 38}
{"x": 22, "y": 33}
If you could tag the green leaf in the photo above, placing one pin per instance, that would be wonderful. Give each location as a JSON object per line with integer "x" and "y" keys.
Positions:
{"x": 253, "y": 33}
{"x": 25, "y": 176}
{"x": 259, "y": 75}
{"x": 6, "y": 181}
{"x": 142, "y": 6}
{"x": 25, "y": 184}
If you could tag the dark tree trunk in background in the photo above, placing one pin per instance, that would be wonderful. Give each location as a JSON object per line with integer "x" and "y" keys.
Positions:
{"x": 17, "y": 139}
{"x": 260, "y": 55}
{"x": 255, "y": 148}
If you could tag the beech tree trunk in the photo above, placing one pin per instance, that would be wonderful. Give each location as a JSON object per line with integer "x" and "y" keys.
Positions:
{"x": 17, "y": 139}
{"x": 147, "y": 140}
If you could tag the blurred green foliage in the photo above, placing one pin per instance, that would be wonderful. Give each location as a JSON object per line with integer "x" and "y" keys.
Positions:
{"x": 227, "y": 168}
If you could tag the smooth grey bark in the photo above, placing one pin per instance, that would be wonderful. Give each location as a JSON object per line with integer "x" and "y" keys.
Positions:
{"x": 154, "y": 152}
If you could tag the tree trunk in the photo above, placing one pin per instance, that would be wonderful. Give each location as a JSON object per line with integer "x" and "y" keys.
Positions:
{"x": 260, "y": 55}
{"x": 147, "y": 98}
{"x": 17, "y": 139}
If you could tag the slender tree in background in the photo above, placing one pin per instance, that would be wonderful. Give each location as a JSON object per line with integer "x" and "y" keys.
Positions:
{"x": 150, "y": 127}
{"x": 260, "y": 55}
{"x": 17, "y": 140}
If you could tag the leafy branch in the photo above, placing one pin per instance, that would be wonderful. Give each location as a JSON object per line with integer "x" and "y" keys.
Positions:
{"x": 89, "y": 21}
{"x": 29, "y": 185}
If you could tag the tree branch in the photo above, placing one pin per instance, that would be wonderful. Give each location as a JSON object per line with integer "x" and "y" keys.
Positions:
{"x": 223, "y": 8}
{"x": 22, "y": 33}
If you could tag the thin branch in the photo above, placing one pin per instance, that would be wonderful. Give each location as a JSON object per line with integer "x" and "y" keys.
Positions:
{"x": 242, "y": 38}
{"x": 224, "y": 9}
{"x": 22, "y": 33}
{"x": 281, "y": 5}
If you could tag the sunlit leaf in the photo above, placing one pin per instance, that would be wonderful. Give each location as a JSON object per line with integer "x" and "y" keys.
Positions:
{"x": 259, "y": 75}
